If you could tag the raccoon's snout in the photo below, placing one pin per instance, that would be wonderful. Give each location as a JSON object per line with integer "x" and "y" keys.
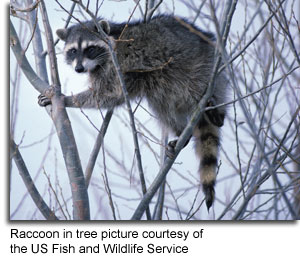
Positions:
{"x": 79, "y": 68}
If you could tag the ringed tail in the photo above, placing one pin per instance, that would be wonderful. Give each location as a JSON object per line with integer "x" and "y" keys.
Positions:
{"x": 207, "y": 148}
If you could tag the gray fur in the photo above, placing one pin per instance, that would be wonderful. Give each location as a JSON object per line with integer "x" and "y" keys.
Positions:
{"x": 163, "y": 62}
{"x": 62, "y": 34}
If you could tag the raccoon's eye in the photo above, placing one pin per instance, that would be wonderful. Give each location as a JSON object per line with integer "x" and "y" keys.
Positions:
{"x": 72, "y": 53}
{"x": 91, "y": 52}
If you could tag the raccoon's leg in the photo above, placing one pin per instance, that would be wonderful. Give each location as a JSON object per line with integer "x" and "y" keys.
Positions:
{"x": 207, "y": 148}
{"x": 81, "y": 100}
{"x": 86, "y": 99}
{"x": 170, "y": 148}
{"x": 215, "y": 116}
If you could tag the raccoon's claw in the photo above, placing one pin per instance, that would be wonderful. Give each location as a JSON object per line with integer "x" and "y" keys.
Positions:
{"x": 214, "y": 116}
{"x": 170, "y": 149}
{"x": 43, "y": 100}
{"x": 209, "y": 192}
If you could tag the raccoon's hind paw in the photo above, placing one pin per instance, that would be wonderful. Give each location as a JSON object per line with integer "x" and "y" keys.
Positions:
{"x": 170, "y": 149}
{"x": 43, "y": 100}
{"x": 209, "y": 192}
{"x": 214, "y": 116}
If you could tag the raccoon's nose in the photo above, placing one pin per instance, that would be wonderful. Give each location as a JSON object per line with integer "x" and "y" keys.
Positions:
{"x": 79, "y": 68}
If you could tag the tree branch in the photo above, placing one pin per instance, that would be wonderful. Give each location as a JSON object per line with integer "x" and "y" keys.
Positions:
{"x": 151, "y": 9}
{"x": 92, "y": 160}
{"x": 34, "y": 193}
{"x": 32, "y": 77}
{"x": 65, "y": 134}
{"x": 50, "y": 46}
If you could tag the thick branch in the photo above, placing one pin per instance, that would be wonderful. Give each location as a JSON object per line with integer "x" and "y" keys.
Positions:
{"x": 65, "y": 134}
{"x": 68, "y": 145}
{"x": 50, "y": 46}
{"x": 62, "y": 124}
{"x": 33, "y": 78}
{"x": 40, "y": 62}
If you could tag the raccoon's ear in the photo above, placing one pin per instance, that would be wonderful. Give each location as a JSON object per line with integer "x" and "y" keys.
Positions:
{"x": 62, "y": 34}
{"x": 105, "y": 26}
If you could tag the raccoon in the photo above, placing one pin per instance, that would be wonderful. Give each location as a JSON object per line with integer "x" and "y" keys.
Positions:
{"x": 168, "y": 61}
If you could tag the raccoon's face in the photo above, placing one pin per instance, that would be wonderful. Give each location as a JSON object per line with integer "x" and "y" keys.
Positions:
{"x": 84, "y": 50}
{"x": 86, "y": 56}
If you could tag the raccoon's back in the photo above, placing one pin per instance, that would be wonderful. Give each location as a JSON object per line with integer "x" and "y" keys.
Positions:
{"x": 162, "y": 41}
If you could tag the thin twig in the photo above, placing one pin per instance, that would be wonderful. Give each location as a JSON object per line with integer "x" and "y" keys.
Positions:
{"x": 29, "y": 8}
{"x": 158, "y": 208}
{"x": 254, "y": 92}
{"x": 55, "y": 195}
{"x": 32, "y": 190}
{"x": 128, "y": 21}
{"x": 150, "y": 12}
{"x": 107, "y": 187}
{"x": 66, "y": 26}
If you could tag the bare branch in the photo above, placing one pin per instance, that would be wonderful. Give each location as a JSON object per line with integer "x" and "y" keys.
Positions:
{"x": 50, "y": 45}
{"x": 29, "y": 8}
{"x": 65, "y": 134}
{"x": 34, "y": 193}
{"x": 97, "y": 146}
{"x": 158, "y": 209}
{"x": 55, "y": 194}
{"x": 37, "y": 82}
{"x": 149, "y": 13}
{"x": 66, "y": 25}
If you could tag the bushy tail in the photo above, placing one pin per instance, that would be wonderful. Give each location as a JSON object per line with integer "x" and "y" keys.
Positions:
{"x": 207, "y": 148}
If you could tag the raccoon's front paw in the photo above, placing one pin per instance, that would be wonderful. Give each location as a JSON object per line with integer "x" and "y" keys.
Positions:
{"x": 215, "y": 116}
{"x": 43, "y": 100}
